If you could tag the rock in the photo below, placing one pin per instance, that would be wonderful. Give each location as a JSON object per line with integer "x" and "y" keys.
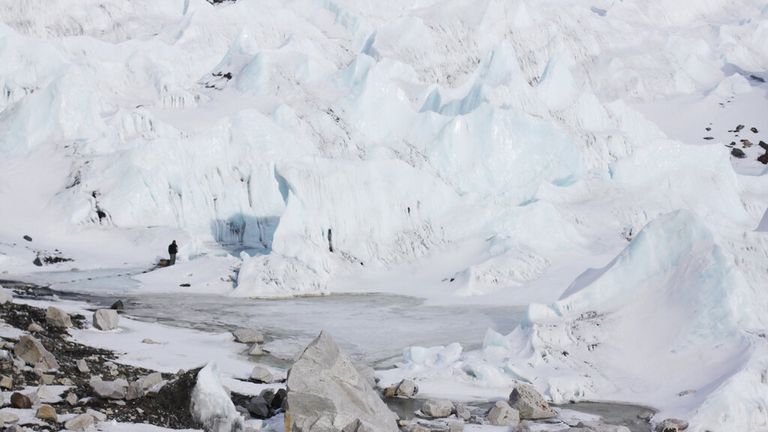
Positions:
{"x": 754, "y": 130}
{"x": 140, "y": 387}
{"x": 82, "y": 366}
{"x": 529, "y": 403}
{"x": 763, "y": 158}
{"x": 419, "y": 428}
{"x": 33, "y": 352}
{"x": 27, "y": 238}
{"x": 149, "y": 341}
{"x": 118, "y": 305}
{"x": 57, "y": 318}
{"x": 256, "y": 350}
{"x": 6, "y": 382}
{"x": 326, "y": 392}
{"x": 258, "y": 407}
{"x": 71, "y": 399}
{"x": 462, "y": 412}
{"x": 437, "y": 408}
{"x": 672, "y": 425}
{"x": 248, "y": 336}
{"x": 97, "y": 415}
{"x": 278, "y": 399}
{"x": 20, "y": 401}
{"x": 738, "y": 153}
{"x": 109, "y": 389}
{"x": 262, "y": 374}
{"x": 356, "y": 426}
{"x": 35, "y": 328}
{"x": 8, "y": 417}
{"x": 80, "y": 423}
{"x": 105, "y": 319}
{"x": 501, "y": 414}
{"x": 46, "y": 412}
{"x": 739, "y": 128}
{"x": 37, "y": 262}
{"x": 47, "y": 379}
{"x": 763, "y": 145}
{"x": 406, "y": 389}
{"x": 211, "y": 405}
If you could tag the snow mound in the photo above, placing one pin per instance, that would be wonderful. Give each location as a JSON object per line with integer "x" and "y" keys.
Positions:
{"x": 210, "y": 403}
{"x": 670, "y": 322}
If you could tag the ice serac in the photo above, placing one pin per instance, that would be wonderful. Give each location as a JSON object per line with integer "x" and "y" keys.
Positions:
{"x": 326, "y": 393}
{"x": 210, "y": 404}
{"x": 672, "y": 298}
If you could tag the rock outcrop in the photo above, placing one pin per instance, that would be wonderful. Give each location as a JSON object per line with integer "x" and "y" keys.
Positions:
{"x": 327, "y": 393}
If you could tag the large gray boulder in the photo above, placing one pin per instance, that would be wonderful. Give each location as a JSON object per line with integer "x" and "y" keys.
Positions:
{"x": 33, "y": 353}
{"x": 326, "y": 393}
{"x": 105, "y": 319}
{"x": 529, "y": 403}
{"x": 57, "y": 318}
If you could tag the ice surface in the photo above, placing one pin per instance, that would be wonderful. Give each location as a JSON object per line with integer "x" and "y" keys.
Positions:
{"x": 459, "y": 151}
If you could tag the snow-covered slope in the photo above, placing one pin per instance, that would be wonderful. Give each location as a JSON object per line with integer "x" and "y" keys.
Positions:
{"x": 465, "y": 151}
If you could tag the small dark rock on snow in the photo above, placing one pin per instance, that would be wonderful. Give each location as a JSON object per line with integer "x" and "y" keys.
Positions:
{"x": 738, "y": 153}
{"x": 27, "y": 238}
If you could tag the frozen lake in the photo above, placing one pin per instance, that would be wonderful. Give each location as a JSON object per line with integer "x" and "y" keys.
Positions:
{"x": 371, "y": 327}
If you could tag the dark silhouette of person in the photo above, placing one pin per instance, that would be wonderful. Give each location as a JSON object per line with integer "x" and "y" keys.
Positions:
{"x": 172, "y": 251}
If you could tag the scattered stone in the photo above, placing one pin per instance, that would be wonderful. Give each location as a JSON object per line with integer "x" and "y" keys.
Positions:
{"x": 150, "y": 342}
{"x": 97, "y": 415}
{"x": 71, "y": 399}
{"x": 185, "y": 285}
{"x": 529, "y": 403}
{"x": 109, "y": 389}
{"x": 33, "y": 352}
{"x": 105, "y": 319}
{"x": 141, "y": 387}
{"x": 437, "y": 408}
{"x": 8, "y": 417}
{"x": 406, "y": 389}
{"x": 37, "y": 262}
{"x": 6, "y": 382}
{"x": 708, "y": 128}
{"x": 20, "y": 401}
{"x": 745, "y": 143}
{"x": 709, "y": 138}
{"x": 763, "y": 158}
{"x": 27, "y": 238}
{"x": 757, "y": 78}
{"x": 256, "y": 350}
{"x": 503, "y": 415}
{"x": 672, "y": 425}
{"x": 80, "y": 423}
{"x": 248, "y": 336}
{"x": 325, "y": 389}
{"x": 47, "y": 379}
{"x": 754, "y": 130}
{"x": 118, "y": 305}
{"x": 262, "y": 375}
{"x": 739, "y": 128}
{"x": 258, "y": 407}
{"x": 763, "y": 144}
{"x": 35, "y": 328}
{"x": 57, "y": 318}
{"x": 462, "y": 412}
{"x": 46, "y": 412}
{"x": 82, "y": 366}
{"x": 738, "y": 153}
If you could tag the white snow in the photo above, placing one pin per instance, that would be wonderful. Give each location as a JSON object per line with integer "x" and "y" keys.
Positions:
{"x": 211, "y": 405}
{"x": 466, "y": 152}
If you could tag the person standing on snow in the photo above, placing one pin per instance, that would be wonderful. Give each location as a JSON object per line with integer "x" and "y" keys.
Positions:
{"x": 172, "y": 251}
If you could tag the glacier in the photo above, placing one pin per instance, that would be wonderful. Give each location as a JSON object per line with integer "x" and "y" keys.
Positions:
{"x": 548, "y": 154}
